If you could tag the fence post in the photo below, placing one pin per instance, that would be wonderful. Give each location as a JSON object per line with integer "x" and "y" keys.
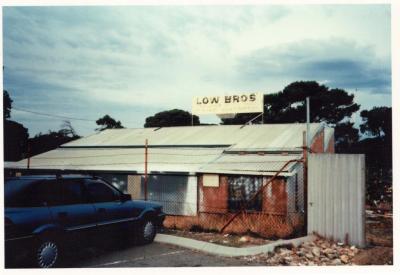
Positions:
{"x": 145, "y": 170}
{"x": 305, "y": 180}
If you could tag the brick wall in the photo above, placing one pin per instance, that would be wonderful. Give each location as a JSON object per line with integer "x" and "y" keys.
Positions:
{"x": 331, "y": 146}
{"x": 317, "y": 145}
{"x": 275, "y": 197}
{"x": 214, "y": 199}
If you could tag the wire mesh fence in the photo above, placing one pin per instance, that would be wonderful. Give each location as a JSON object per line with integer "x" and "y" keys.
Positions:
{"x": 270, "y": 206}
{"x": 227, "y": 187}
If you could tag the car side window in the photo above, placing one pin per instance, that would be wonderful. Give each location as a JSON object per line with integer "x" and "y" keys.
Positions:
{"x": 72, "y": 192}
{"x": 100, "y": 191}
{"x": 44, "y": 193}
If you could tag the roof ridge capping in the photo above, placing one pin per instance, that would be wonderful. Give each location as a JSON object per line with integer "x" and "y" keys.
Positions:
{"x": 197, "y": 136}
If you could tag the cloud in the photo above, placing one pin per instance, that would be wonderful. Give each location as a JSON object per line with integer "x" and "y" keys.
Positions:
{"x": 131, "y": 62}
{"x": 335, "y": 62}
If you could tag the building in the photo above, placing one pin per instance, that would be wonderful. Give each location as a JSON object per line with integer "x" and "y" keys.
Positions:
{"x": 200, "y": 174}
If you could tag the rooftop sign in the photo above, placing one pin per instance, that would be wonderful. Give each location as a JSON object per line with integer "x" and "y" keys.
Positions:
{"x": 228, "y": 104}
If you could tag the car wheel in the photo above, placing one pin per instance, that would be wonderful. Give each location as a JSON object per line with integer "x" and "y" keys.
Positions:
{"x": 47, "y": 253}
{"x": 147, "y": 232}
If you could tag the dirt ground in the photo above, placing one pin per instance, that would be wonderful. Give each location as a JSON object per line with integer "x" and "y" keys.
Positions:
{"x": 379, "y": 235}
{"x": 379, "y": 249}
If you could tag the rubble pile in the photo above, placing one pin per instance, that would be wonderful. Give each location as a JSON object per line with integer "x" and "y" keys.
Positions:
{"x": 318, "y": 252}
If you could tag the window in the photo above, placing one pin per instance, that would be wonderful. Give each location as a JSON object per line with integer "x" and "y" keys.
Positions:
{"x": 72, "y": 192}
{"x": 241, "y": 190}
{"x": 99, "y": 191}
{"x": 31, "y": 193}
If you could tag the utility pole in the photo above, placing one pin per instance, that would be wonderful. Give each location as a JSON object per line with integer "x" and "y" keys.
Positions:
{"x": 308, "y": 123}
{"x": 306, "y": 150}
{"x": 145, "y": 170}
{"x": 29, "y": 155}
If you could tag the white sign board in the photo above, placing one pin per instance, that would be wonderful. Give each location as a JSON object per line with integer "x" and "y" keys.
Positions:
{"x": 210, "y": 180}
{"x": 228, "y": 104}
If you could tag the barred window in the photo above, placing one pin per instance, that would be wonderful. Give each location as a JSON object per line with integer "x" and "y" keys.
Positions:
{"x": 241, "y": 190}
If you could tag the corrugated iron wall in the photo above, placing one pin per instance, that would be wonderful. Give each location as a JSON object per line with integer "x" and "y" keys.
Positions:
{"x": 336, "y": 197}
{"x": 177, "y": 194}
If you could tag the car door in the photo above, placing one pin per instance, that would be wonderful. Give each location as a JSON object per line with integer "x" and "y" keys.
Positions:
{"x": 112, "y": 212}
{"x": 73, "y": 211}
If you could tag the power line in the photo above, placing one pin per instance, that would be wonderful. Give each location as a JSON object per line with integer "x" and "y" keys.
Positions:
{"x": 52, "y": 115}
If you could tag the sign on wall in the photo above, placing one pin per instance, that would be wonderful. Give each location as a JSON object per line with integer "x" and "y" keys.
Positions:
{"x": 228, "y": 104}
{"x": 210, "y": 180}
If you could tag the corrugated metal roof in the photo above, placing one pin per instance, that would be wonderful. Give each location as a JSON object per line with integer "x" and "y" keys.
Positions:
{"x": 187, "y": 160}
{"x": 251, "y": 164}
{"x": 251, "y": 137}
{"x": 122, "y": 150}
{"x": 160, "y": 160}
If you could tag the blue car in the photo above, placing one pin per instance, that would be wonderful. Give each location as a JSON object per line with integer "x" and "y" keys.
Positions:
{"x": 46, "y": 214}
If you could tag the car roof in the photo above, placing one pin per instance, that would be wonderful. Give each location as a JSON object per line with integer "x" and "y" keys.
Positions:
{"x": 33, "y": 177}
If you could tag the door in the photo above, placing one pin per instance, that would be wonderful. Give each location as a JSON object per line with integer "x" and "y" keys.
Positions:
{"x": 111, "y": 211}
{"x": 73, "y": 211}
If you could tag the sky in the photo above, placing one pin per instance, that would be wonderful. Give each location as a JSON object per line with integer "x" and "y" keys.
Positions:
{"x": 133, "y": 61}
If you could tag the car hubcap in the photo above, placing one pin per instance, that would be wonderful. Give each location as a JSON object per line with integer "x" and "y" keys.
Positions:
{"x": 47, "y": 254}
{"x": 148, "y": 230}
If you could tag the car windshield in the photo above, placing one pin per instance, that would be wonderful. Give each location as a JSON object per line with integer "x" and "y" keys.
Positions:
{"x": 15, "y": 191}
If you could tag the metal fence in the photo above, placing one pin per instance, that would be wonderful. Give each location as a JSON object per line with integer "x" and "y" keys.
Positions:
{"x": 337, "y": 197}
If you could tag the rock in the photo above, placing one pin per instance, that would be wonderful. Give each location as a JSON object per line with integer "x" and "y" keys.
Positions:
{"x": 340, "y": 244}
{"x": 288, "y": 259}
{"x": 243, "y": 239}
{"x": 311, "y": 263}
{"x": 328, "y": 251}
{"x": 309, "y": 256}
{"x": 308, "y": 244}
{"x": 336, "y": 262}
{"x": 300, "y": 253}
{"x": 316, "y": 251}
{"x": 331, "y": 256}
{"x": 352, "y": 247}
{"x": 225, "y": 241}
{"x": 226, "y": 235}
{"x": 284, "y": 251}
{"x": 344, "y": 259}
{"x": 324, "y": 260}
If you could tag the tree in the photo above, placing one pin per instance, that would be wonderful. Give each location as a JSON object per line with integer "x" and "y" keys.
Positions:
{"x": 242, "y": 119}
{"x": 346, "y": 136}
{"x": 332, "y": 106}
{"x": 107, "y": 122}
{"x": 41, "y": 143}
{"x": 170, "y": 118}
{"x": 15, "y": 134}
{"x": 67, "y": 129}
{"x": 15, "y": 141}
{"x": 7, "y": 105}
{"x": 377, "y": 122}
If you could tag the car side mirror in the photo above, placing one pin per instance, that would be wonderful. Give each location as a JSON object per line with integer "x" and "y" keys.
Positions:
{"x": 126, "y": 197}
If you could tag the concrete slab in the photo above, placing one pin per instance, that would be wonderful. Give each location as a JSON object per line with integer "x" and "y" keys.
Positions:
{"x": 228, "y": 251}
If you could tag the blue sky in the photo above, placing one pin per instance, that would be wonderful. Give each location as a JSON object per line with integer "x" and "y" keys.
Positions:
{"x": 131, "y": 62}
